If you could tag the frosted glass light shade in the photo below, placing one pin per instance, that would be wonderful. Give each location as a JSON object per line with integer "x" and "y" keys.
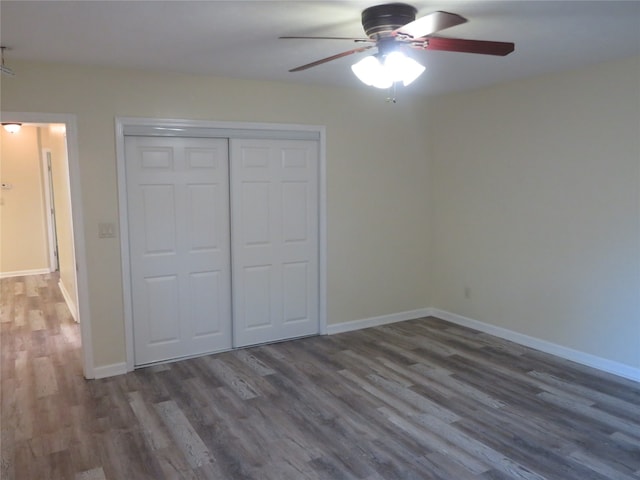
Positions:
{"x": 402, "y": 68}
{"x": 396, "y": 67}
{"x": 371, "y": 72}
{"x": 12, "y": 127}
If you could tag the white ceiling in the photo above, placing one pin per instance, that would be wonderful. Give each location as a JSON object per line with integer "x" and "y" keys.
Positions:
{"x": 240, "y": 38}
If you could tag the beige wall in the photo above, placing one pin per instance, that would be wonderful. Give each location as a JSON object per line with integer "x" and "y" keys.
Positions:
{"x": 526, "y": 193}
{"x": 376, "y": 174}
{"x": 54, "y": 139}
{"x": 536, "y": 190}
{"x": 23, "y": 230}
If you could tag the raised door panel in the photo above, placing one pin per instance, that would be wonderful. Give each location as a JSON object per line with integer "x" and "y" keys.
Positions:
{"x": 295, "y": 211}
{"x": 208, "y": 292}
{"x": 161, "y": 295}
{"x": 295, "y": 292}
{"x": 256, "y": 297}
{"x": 158, "y": 217}
{"x": 204, "y": 217}
{"x": 256, "y": 214}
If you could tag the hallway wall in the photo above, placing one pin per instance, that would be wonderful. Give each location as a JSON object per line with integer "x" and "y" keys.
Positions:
{"x": 23, "y": 230}
{"x": 53, "y": 138}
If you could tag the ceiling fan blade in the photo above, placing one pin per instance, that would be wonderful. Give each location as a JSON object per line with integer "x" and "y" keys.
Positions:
{"x": 430, "y": 24}
{"x": 333, "y": 57}
{"x": 327, "y": 38}
{"x": 470, "y": 46}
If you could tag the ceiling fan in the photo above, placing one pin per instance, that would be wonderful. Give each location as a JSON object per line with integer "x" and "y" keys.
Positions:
{"x": 392, "y": 28}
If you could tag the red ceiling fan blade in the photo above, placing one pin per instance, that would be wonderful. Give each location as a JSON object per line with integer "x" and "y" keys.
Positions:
{"x": 333, "y": 57}
{"x": 470, "y": 46}
{"x": 429, "y": 24}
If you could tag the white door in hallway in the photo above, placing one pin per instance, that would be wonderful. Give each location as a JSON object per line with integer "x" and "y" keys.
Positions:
{"x": 178, "y": 210}
{"x": 274, "y": 223}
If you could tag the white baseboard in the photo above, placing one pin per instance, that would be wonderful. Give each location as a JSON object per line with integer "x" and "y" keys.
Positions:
{"x": 599, "y": 363}
{"x": 377, "y": 321}
{"x": 567, "y": 353}
{"x": 24, "y": 273}
{"x": 67, "y": 298}
{"x": 112, "y": 370}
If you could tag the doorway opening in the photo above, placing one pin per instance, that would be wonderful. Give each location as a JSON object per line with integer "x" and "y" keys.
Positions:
{"x": 50, "y": 192}
{"x": 41, "y": 212}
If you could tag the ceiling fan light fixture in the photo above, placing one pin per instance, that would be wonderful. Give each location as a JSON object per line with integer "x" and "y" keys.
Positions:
{"x": 402, "y": 68}
{"x": 396, "y": 67}
{"x": 12, "y": 127}
{"x": 371, "y": 72}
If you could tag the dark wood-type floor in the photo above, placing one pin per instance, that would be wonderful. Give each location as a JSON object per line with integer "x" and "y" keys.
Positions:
{"x": 422, "y": 399}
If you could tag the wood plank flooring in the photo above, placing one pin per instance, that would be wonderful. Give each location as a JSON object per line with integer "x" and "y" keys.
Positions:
{"x": 422, "y": 399}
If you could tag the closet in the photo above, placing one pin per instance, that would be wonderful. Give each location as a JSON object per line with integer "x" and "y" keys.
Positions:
{"x": 223, "y": 240}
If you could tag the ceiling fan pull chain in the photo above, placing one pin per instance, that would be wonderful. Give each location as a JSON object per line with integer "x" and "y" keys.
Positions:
{"x": 392, "y": 94}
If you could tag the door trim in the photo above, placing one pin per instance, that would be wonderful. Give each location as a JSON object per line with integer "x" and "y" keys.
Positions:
{"x": 202, "y": 128}
{"x": 52, "y": 240}
{"x": 77, "y": 217}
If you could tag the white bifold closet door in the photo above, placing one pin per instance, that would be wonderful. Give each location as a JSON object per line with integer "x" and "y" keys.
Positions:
{"x": 274, "y": 231}
{"x": 178, "y": 210}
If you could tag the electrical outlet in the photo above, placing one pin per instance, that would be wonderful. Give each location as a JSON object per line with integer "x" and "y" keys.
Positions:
{"x": 106, "y": 230}
{"x": 467, "y": 292}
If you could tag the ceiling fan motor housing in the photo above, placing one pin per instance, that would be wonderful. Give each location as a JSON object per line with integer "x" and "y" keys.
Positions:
{"x": 380, "y": 20}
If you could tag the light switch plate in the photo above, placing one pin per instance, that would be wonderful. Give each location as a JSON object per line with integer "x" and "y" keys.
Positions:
{"x": 106, "y": 230}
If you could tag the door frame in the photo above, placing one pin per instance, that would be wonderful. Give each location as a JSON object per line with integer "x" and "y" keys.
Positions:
{"x": 77, "y": 216}
{"x": 52, "y": 236}
{"x": 214, "y": 129}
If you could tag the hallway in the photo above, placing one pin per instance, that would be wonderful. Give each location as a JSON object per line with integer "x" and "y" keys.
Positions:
{"x": 42, "y": 379}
